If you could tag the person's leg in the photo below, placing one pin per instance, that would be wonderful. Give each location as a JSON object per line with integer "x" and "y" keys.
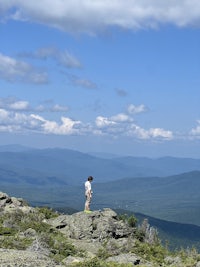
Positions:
{"x": 87, "y": 202}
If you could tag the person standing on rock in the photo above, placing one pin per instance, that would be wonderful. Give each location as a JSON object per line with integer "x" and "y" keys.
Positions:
{"x": 88, "y": 194}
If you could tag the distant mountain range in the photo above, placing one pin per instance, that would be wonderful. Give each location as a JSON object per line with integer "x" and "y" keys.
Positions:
{"x": 14, "y": 148}
{"x": 166, "y": 188}
{"x": 24, "y": 165}
{"x": 175, "y": 198}
{"x": 174, "y": 235}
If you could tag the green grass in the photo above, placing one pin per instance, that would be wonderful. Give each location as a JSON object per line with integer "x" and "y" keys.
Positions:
{"x": 12, "y": 237}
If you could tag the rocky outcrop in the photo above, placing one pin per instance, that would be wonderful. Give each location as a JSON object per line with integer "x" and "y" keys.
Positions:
{"x": 34, "y": 255}
{"x": 99, "y": 231}
{"x": 87, "y": 237}
{"x": 96, "y": 226}
{"x": 9, "y": 204}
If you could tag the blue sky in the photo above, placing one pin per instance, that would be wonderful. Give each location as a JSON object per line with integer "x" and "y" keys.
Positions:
{"x": 120, "y": 77}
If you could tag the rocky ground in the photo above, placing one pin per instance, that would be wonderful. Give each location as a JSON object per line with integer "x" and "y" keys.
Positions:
{"x": 100, "y": 234}
{"x": 90, "y": 233}
{"x": 15, "y": 258}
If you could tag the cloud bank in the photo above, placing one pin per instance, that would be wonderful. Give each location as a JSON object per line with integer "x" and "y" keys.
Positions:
{"x": 89, "y": 16}
{"x": 17, "y": 116}
{"x": 195, "y": 132}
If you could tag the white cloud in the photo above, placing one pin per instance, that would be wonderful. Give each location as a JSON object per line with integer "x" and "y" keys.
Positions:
{"x": 102, "y": 122}
{"x": 15, "y": 117}
{"x": 16, "y": 122}
{"x": 195, "y": 132}
{"x": 40, "y": 108}
{"x": 3, "y": 115}
{"x": 14, "y": 104}
{"x": 132, "y": 109}
{"x": 123, "y": 125}
{"x": 53, "y": 108}
{"x": 121, "y": 117}
{"x": 19, "y": 105}
{"x": 152, "y": 133}
{"x": 59, "y": 108}
{"x": 89, "y": 15}
{"x": 11, "y": 103}
{"x": 14, "y": 70}
{"x": 20, "y": 122}
{"x": 67, "y": 126}
{"x": 159, "y": 132}
{"x": 107, "y": 126}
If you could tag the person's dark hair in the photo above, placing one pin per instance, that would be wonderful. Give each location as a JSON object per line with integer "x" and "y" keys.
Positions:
{"x": 90, "y": 178}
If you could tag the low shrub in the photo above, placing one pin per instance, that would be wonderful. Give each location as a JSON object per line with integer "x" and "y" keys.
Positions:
{"x": 13, "y": 236}
{"x": 15, "y": 242}
{"x": 58, "y": 245}
{"x": 95, "y": 262}
{"x": 150, "y": 252}
{"x": 47, "y": 212}
{"x": 130, "y": 220}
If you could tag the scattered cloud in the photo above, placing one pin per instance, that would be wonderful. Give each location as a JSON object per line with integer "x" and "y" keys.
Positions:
{"x": 19, "y": 105}
{"x": 59, "y": 108}
{"x": 66, "y": 127}
{"x": 91, "y": 16}
{"x": 122, "y": 117}
{"x": 14, "y": 104}
{"x": 68, "y": 60}
{"x": 152, "y": 133}
{"x": 15, "y": 122}
{"x": 132, "y": 109}
{"x": 63, "y": 58}
{"x": 121, "y": 92}
{"x": 13, "y": 70}
{"x": 124, "y": 125}
{"x": 11, "y": 103}
{"x": 195, "y": 132}
{"x": 18, "y": 116}
{"x": 80, "y": 82}
{"x": 103, "y": 122}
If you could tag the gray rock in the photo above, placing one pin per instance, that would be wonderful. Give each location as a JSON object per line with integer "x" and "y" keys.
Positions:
{"x": 4, "y": 199}
{"x": 98, "y": 225}
{"x": 30, "y": 232}
{"x": 174, "y": 261}
{"x": 11, "y": 204}
{"x": 3, "y": 196}
{"x": 16, "y": 258}
{"x": 125, "y": 258}
{"x": 39, "y": 247}
{"x": 71, "y": 260}
{"x": 119, "y": 246}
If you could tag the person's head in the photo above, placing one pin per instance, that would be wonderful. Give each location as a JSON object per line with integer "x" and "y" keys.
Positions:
{"x": 90, "y": 178}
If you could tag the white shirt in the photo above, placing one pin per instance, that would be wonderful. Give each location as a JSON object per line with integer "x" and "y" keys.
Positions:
{"x": 88, "y": 187}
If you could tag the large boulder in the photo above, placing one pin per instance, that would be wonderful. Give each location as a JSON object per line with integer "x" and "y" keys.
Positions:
{"x": 10, "y": 204}
{"x": 98, "y": 225}
{"x": 127, "y": 258}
